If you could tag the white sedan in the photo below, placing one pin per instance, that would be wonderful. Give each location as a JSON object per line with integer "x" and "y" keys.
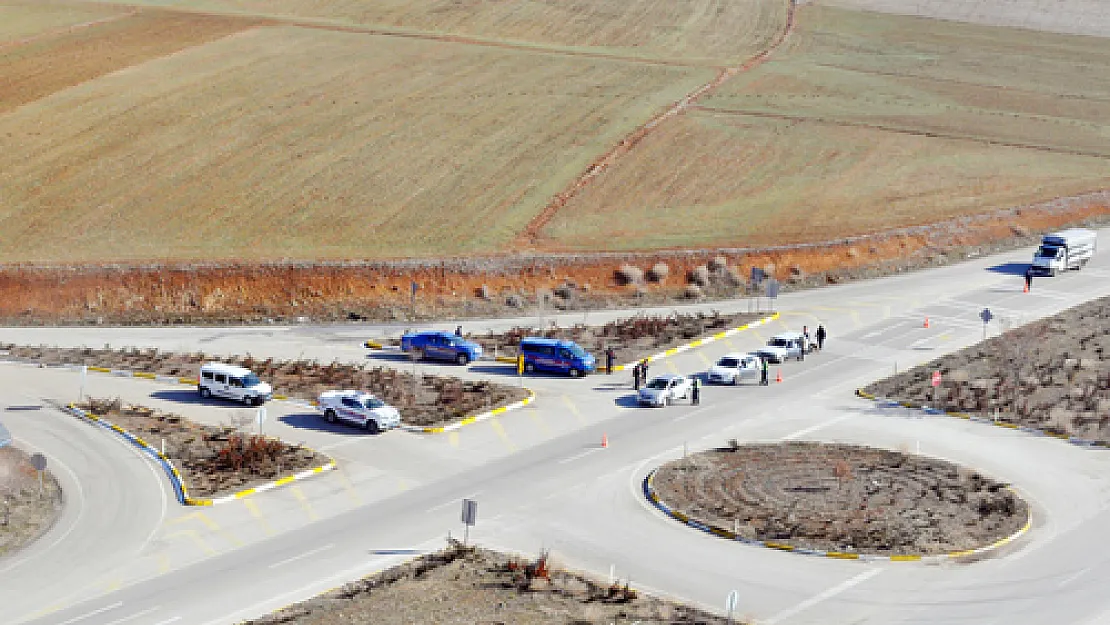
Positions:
{"x": 783, "y": 346}
{"x": 664, "y": 389}
{"x": 359, "y": 408}
{"x": 733, "y": 368}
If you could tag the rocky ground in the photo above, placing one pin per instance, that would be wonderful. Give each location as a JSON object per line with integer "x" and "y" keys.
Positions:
{"x": 1052, "y": 374}
{"x": 467, "y": 585}
{"x": 213, "y": 461}
{"x": 433, "y": 401}
{"x": 26, "y": 512}
{"x": 841, "y": 498}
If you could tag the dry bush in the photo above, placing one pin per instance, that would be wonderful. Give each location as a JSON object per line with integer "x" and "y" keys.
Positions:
{"x": 699, "y": 276}
{"x": 628, "y": 274}
{"x": 692, "y": 291}
{"x": 717, "y": 264}
{"x": 659, "y": 272}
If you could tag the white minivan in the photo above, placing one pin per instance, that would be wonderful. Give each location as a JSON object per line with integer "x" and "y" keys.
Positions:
{"x": 236, "y": 383}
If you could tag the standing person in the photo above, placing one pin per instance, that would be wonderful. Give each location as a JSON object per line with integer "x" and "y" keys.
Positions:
{"x": 805, "y": 342}
{"x": 644, "y": 369}
{"x": 695, "y": 393}
{"x": 610, "y": 359}
{"x": 820, "y": 337}
{"x": 1028, "y": 279}
{"x": 636, "y": 376}
{"x": 763, "y": 381}
{"x": 458, "y": 331}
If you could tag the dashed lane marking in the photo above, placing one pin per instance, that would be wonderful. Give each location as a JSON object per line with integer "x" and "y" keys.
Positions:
{"x": 502, "y": 434}
{"x": 307, "y": 554}
{"x": 134, "y": 616}
{"x": 86, "y": 615}
{"x": 574, "y": 410}
{"x": 538, "y": 420}
{"x": 256, "y": 512}
{"x": 197, "y": 540}
{"x": 303, "y": 500}
{"x": 347, "y": 486}
{"x": 823, "y": 596}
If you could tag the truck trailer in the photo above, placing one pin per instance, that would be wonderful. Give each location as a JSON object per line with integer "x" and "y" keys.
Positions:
{"x": 1064, "y": 250}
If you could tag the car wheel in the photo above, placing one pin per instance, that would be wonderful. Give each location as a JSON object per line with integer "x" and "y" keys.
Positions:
{"x": 462, "y": 359}
{"x": 667, "y": 401}
{"x": 417, "y": 354}
{"x": 329, "y": 415}
{"x": 205, "y": 393}
{"x": 372, "y": 426}
{"x": 248, "y": 400}
{"x": 529, "y": 367}
{"x": 574, "y": 373}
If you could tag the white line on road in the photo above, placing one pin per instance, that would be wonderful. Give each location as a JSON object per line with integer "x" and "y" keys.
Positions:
{"x": 93, "y": 613}
{"x": 451, "y": 503}
{"x": 133, "y": 616}
{"x": 578, "y": 456}
{"x": 814, "y": 428}
{"x": 302, "y": 556}
{"x": 822, "y": 596}
{"x": 168, "y": 621}
{"x": 1071, "y": 578}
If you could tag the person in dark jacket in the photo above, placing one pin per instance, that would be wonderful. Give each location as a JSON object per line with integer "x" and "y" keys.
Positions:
{"x": 763, "y": 370}
{"x": 820, "y": 337}
{"x": 1028, "y": 278}
{"x": 610, "y": 359}
{"x": 637, "y": 373}
{"x": 695, "y": 393}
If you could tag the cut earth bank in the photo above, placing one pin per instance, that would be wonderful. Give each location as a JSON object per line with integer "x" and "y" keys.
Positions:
{"x": 473, "y": 287}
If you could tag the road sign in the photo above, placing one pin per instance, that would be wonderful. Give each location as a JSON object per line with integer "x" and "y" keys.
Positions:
{"x": 772, "y": 288}
{"x": 936, "y": 378}
{"x": 469, "y": 517}
{"x": 38, "y": 461}
{"x": 415, "y": 288}
{"x": 758, "y": 275}
{"x": 986, "y": 315}
{"x": 260, "y": 417}
{"x": 5, "y": 436}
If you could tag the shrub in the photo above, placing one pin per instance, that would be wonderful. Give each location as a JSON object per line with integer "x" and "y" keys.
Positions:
{"x": 717, "y": 263}
{"x": 627, "y": 274}
{"x": 692, "y": 291}
{"x": 659, "y": 272}
{"x": 699, "y": 276}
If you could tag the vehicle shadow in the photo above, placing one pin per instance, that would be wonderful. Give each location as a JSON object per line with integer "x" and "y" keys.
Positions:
{"x": 191, "y": 396}
{"x": 315, "y": 422}
{"x": 627, "y": 401}
{"x": 505, "y": 369}
{"x": 1010, "y": 269}
{"x": 390, "y": 356}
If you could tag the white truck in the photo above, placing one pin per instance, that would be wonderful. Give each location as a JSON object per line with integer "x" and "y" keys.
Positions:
{"x": 1064, "y": 250}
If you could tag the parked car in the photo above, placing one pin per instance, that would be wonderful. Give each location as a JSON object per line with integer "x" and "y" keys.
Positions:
{"x": 558, "y": 356}
{"x": 734, "y": 368}
{"x": 664, "y": 389}
{"x": 441, "y": 346}
{"x": 358, "y": 408}
{"x": 217, "y": 379}
{"x": 783, "y": 346}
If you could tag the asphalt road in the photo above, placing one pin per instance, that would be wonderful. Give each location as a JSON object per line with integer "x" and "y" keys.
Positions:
{"x": 542, "y": 480}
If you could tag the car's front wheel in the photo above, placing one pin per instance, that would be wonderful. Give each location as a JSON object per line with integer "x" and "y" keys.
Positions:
{"x": 329, "y": 415}
{"x": 462, "y": 359}
{"x": 205, "y": 393}
{"x": 574, "y": 373}
{"x": 372, "y": 426}
{"x": 529, "y": 367}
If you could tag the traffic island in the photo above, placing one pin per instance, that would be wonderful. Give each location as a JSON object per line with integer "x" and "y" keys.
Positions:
{"x": 29, "y": 503}
{"x": 839, "y": 501}
{"x": 428, "y": 402}
{"x": 1051, "y": 376}
{"x": 207, "y": 464}
{"x": 463, "y": 584}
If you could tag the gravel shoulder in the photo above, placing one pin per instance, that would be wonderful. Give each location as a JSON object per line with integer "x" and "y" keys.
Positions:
{"x": 26, "y": 512}
{"x": 842, "y": 498}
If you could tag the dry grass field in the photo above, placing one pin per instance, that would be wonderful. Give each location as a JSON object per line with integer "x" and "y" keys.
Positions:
{"x": 24, "y": 19}
{"x": 693, "y": 31}
{"x": 861, "y": 122}
{"x": 292, "y": 142}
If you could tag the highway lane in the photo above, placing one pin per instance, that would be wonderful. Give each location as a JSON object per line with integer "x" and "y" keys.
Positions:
{"x": 114, "y": 502}
{"x": 523, "y": 505}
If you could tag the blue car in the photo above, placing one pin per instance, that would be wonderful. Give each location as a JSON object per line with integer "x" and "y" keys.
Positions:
{"x": 557, "y": 356}
{"x": 441, "y": 346}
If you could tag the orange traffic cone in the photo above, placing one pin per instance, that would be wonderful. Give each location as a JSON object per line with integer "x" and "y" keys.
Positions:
{"x": 604, "y": 440}
{"x": 1026, "y": 289}
{"x": 778, "y": 376}
{"x": 926, "y": 322}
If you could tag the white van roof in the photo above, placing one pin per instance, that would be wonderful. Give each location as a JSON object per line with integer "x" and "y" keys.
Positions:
{"x": 219, "y": 367}
{"x": 789, "y": 336}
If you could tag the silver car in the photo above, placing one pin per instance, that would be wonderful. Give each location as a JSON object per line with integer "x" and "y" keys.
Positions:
{"x": 664, "y": 389}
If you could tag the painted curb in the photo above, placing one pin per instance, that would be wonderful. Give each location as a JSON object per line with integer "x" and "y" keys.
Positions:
{"x": 697, "y": 342}
{"x": 450, "y": 427}
{"x": 1074, "y": 440}
{"x": 649, "y": 492}
{"x": 179, "y": 487}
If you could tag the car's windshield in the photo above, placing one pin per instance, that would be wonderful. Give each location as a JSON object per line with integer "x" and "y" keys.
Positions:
{"x": 250, "y": 380}
{"x": 1049, "y": 252}
{"x": 657, "y": 384}
{"x": 779, "y": 343}
{"x": 577, "y": 351}
{"x": 730, "y": 363}
{"x": 373, "y": 402}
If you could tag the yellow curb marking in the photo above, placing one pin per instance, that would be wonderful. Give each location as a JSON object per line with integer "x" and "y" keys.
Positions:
{"x": 502, "y": 434}
{"x": 303, "y": 500}
{"x": 256, "y": 512}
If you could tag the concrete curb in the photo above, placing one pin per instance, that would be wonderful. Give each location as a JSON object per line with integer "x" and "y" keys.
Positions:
{"x": 649, "y": 492}
{"x": 1074, "y": 440}
{"x": 179, "y": 487}
{"x": 450, "y": 427}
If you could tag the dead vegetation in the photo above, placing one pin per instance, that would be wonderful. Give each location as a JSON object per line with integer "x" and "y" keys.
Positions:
{"x": 28, "y": 507}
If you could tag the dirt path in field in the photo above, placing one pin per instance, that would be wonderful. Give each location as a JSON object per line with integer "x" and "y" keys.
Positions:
{"x": 931, "y": 134}
{"x": 532, "y": 232}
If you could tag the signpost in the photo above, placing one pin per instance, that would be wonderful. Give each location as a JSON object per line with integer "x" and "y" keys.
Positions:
{"x": 520, "y": 368}
{"x": 415, "y": 288}
{"x": 261, "y": 418}
{"x": 986, "y": 316}
{"x": 730, "y": 604}
{"x": 935, "y": 382}
{"x": 772, "y": 291}
{"x": 84, "y": 376}
{"x": 5, "y": 436}
{"x": 469, "y": 517}
{"x": 757, "y": 276}
{"x": 38, "y": 461}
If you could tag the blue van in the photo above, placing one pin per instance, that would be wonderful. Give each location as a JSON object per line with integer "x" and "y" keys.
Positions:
{"x": 441, "y": 346}
{"x": 555, "y": 355}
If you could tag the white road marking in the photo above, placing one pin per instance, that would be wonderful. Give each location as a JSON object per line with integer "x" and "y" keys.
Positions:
{"x": 814, "y": 428}
{"x": 132, "y": 617}
{"x": 823, "y": 596}
{"x": 93, "y": 613}
{"x": 1071, "y": 578}
{"x": 581, "y": 455}
{"x": 451, "y": 503}
{"x": 302, "y": 556}
{"x": 168, "y": 621}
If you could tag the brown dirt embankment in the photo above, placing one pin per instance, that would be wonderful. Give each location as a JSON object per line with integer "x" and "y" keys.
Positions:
{"x": 358, "y": 290}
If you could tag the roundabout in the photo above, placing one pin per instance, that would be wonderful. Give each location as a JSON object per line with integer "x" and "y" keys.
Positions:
{"x": 841, "y": 501}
